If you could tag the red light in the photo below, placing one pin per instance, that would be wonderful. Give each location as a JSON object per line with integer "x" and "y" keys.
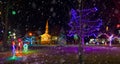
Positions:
{"x": 13, "y": 43}
{"x": 19, "y": 40}
{"x": 118, "y": 25}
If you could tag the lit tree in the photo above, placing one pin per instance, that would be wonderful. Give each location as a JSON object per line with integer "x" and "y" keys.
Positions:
{"x": 62, "y": 37}
{"x": 82, "y": 26}
{"x": 85, "y": 25}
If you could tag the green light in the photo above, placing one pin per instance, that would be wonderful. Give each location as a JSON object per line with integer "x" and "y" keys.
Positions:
{"x": 29, "y": 52}
{"x": 9, "y": 32}
{"x": 75, "y": 36}
{"x": 13, "y": 57}
{"x": 13, "y": 12}
{"x": 8, "y": 36}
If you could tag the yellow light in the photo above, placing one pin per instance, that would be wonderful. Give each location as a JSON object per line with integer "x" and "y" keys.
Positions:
{"x": 0, "y": 12}
{"x": 54, "y": 38}
{"x": 107, "y": 28}
{"x": 14, "y": 37}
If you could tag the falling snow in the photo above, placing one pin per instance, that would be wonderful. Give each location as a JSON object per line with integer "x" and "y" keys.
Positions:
{"x": 51, "y": 9}
{"x": 53, "y": 2}
{"x": 116, "y": 11}
{"x": 33, "y": 5}
{"x": 54, "y": 14}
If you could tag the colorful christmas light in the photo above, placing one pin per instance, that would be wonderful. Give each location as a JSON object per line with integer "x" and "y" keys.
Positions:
{"x": 13, "y": 49}
{"x": 25, "y": 47}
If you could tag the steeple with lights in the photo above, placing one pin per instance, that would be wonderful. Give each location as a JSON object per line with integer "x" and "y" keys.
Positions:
{"x": 46, "y": 38}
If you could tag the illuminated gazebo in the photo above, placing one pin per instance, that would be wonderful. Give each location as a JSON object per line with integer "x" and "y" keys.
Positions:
{"x": 46, "y": 38}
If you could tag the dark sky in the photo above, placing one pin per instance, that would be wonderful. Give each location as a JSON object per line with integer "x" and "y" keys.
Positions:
{"x": 32, "y": 14}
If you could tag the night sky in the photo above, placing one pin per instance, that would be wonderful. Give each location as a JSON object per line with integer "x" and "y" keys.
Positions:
{"x": 31, "y": 15}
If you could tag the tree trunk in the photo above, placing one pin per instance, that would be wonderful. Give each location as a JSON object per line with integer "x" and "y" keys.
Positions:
{"x": 5, "y": 21}
{"x": 81, "y": 51}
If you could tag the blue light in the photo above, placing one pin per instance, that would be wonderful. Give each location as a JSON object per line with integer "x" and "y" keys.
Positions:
{"x": 25, "y": 47}
{"x": 13, "y": 50}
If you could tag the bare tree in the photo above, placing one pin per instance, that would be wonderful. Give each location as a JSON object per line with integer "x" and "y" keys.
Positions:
{"x": 81, "y": 25}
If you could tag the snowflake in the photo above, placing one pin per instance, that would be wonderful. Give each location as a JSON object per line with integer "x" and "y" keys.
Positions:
{"x": 113, "y": 14}
{"x": 116, "y": 11}
{"x": 18, "y": 11}
{"x": 39, "y": 9}
{"x": 58, "y": 1}
{"x": 51, "y": 9}
{"x": 46, "y": 60}
{"x": 53, "y": 2}
{"x": 27, "y": 18}
{"x": 33, "y": 5}
{"x": 59, "y": 22}
{"x": 58, "y": 16}
{"x": 29, "y": 3}
{"x": 93, "y": 0}
{"x": 61, "y": 2}
{"x": 24, "y": 58}
{"x": 43, "y": 1}
{"x": 26, "y": 12}
{"x": 62, "y": 60}
{"x": 42, "y": 13}
{"x": 119, "y": 2}
{"x": 113, "y": 8}
{"x": 34, "y": 26}
{"x": 35, "y": 63}
{"x": 49, "y": 16}
{"x": 26, "y": 25}
{"x": 94, "y": 4}
{"x": 79, "y": 1}
{"x": 26, "y": 29}
{"x": 54, "y": 14}
{"x": 42, "y": 62}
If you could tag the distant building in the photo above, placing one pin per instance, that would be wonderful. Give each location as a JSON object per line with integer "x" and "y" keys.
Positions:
{"x": 46, "y": 38}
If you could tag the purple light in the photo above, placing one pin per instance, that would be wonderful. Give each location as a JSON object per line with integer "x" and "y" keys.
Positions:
{"x": 75, "y": 23}
{"x": 95, "y": 9}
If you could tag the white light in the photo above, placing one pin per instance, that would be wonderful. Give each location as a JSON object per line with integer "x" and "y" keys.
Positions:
{"x": 87, "y": 43}
{"x": 14, "y": 34}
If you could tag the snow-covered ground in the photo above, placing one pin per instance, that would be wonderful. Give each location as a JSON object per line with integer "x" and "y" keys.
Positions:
{"x": 67, "y": 55}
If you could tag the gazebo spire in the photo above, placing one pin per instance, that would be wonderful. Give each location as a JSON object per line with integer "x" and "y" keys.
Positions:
{"x": 46, "y": 28}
